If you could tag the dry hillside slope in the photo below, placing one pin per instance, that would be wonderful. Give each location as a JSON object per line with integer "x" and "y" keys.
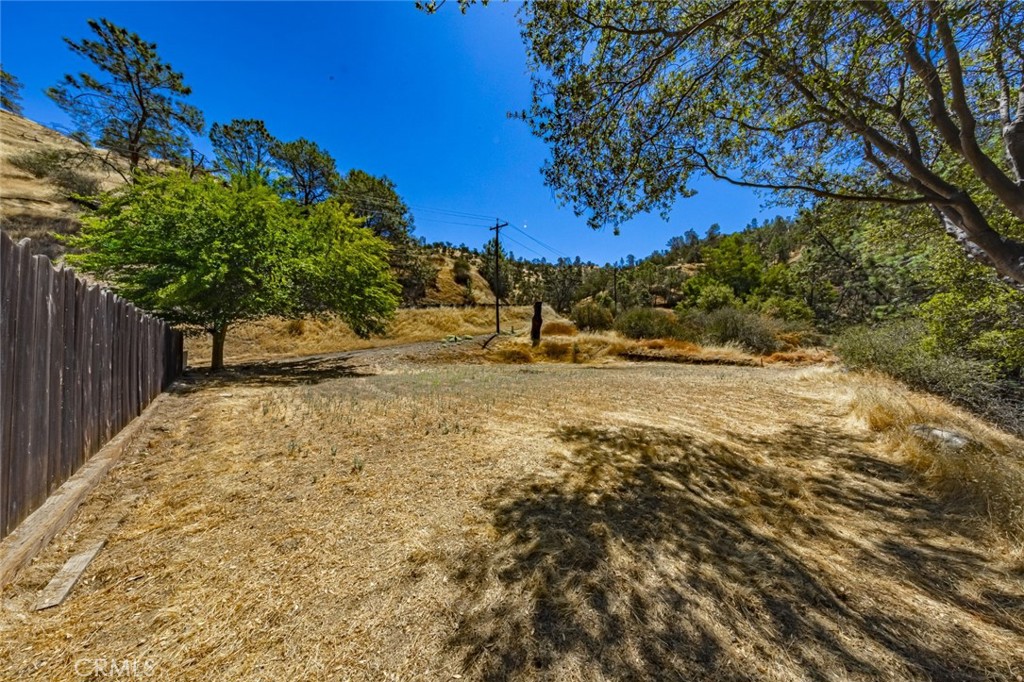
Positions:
{"x": 30, "y": 206}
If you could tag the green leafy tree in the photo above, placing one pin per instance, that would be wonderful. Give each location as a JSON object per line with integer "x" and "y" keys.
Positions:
{"x": 10, "y": 92}
{"x": 881, "y": 102}
{"x": 133, "y": 105}
{"x": 308, "y": 172}
{"x": 736, "y": 263}
{"x": 376, "y": 200}
{"x": 200, "y": 253}
{"x": 499, "y": 277}
{"x": 243, "y": 146}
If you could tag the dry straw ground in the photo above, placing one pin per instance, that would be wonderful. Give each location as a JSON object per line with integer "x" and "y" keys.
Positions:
{"x": 275, "y": 338}
{"x": 387, "y": 516}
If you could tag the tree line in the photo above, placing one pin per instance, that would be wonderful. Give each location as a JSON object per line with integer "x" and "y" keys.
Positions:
{"x": 266, "y": 226}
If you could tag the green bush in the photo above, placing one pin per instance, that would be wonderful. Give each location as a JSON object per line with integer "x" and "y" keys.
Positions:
{"x": 749, "y": 329}
{"x": 903, "y": 350}
{"x": 73, "y": 183}
{"x": 60, "y": 168}
{"x": 40, "y": 163}
{"x": 789, "y": 309}
{"x": 591, "y": 316}
{"x": 715, "y": 295}
{"x": 649, "y": 323}
{"x": 461, "y": 271}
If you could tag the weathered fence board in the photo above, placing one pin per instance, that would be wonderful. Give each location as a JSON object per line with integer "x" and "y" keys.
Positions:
{"x": 77, "y": 364}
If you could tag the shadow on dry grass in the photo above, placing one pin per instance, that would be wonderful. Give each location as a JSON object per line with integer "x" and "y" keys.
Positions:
{"x": 308, "y": 371}
{"x": 652, "y": 555}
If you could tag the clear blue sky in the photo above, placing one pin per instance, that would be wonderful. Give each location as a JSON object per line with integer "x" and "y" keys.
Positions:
{"x": 385, "y": 88}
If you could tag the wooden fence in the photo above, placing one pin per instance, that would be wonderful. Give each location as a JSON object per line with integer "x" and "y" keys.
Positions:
{"x": 77, "y": 363}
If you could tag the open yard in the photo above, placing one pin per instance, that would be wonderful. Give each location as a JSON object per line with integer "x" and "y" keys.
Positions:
{"x": 382, "y": 515}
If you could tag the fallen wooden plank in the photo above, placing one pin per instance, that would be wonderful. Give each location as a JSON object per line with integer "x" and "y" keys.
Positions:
{"x": 22, "y": 545}
{"x": 58, "y": 589}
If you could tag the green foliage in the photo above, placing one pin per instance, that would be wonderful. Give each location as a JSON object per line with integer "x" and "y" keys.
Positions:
{"x": 461, "y": 270}
{"x": 749, "y": 329}
{"x": 134, "y": 107}
{"x": 62, "y": 168}
{"x": 902, "y": 349}
{"x": 735, "y": 263}
{"x": 498, "y": 276}
{"x": 41, "y": 163}
{"x": 376, "y": 200}
{"x": 200, "y": 253}
{"x": 10, "y": 92}
{"x": 975, "y": 314}
{"x": 789, "y": 309}
{"x": 243, "y": 146}
{"x": 648, "y": 323}
{"x": 591, "y": 316}
{"x": 646, "y": 97}
{"x": 343, "y": 270}
{"x": 707, "y": 294}
{"x": 308, "y": 172}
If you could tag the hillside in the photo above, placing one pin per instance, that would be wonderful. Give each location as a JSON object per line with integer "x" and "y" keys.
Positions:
{"x": 31, "y": 206}
{"x": 37, "y": 208}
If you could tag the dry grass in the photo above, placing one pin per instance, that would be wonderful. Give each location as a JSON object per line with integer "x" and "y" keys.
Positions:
{"x": 986, "y": 475}
{"x": 395, "y": 520}
{"x": 275, "y": 338}
{"x": 603, "y": 346}
{"x": 29, "y": 206}
{"x": 558, "y": 328}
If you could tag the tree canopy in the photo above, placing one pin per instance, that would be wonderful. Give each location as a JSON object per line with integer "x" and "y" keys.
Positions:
{"x": 308, "y": 172}
{"x": 890, "y": 102}
{"x": 134, "y": 105}
{"x": 243, "y": 146}
{"x": 10, "y": 92}
{"x": 200, "y": 253}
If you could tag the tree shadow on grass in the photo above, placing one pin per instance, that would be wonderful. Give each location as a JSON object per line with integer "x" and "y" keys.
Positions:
{"x": 305, "y": 371}
{"x": 652, "y": 555}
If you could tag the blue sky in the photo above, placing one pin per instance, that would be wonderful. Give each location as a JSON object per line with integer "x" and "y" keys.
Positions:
{"x": 383, "y": 87}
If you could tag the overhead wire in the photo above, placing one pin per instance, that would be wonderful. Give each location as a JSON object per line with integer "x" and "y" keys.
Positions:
{"x": 546, "y": 246}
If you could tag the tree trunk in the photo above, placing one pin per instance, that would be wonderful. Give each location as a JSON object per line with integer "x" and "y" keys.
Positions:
{"x": 217, "y": 360}
{"x": 966, "y": 224}
{"x": 536, "y": 323}
{"x": 1013, "y": 139}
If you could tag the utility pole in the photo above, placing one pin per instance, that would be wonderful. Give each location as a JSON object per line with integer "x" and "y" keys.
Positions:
{"x": 497, "y": 275}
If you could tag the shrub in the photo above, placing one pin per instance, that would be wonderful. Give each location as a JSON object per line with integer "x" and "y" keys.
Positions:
{"x": 751, "y": 330}
{"x": 73, "y": 183}
{"x": 790, "y": 309}
{"x": 57, "y": 165}
{"x": 902, "y": 349}
{"x": 648, "y": 323}
{"x": 559, "y": 328}
{"x": 592, "y": 316}
{"x": 714, "y": 295}
{"x": 461, "y": 271}
{"x": 40, "y": 163}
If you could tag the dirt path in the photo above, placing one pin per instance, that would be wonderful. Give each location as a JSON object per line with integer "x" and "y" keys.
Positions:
{"x": 381, "y": 515}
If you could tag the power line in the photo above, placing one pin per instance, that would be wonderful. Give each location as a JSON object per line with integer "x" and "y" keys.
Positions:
{"x": 514, "y": 241}
{"x": 549, "y": 248}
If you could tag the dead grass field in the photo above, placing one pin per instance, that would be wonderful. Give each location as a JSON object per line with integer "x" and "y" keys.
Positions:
{"x": 383, "y": 516}
{"x": 275, "y": 338}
